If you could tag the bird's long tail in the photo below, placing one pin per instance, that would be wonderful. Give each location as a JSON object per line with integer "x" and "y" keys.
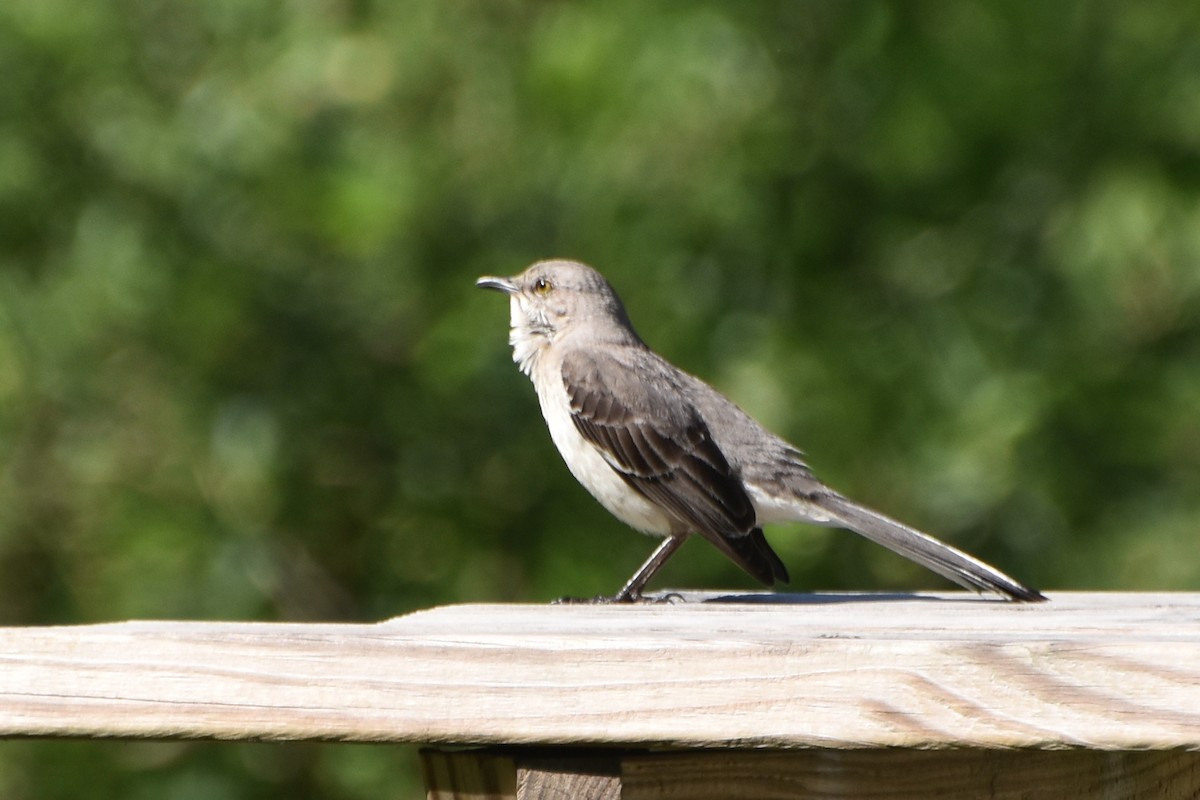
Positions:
{"x": 949, "y": 562}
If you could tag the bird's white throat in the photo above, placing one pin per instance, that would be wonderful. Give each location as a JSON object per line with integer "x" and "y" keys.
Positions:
{"x": 527, "y": 337}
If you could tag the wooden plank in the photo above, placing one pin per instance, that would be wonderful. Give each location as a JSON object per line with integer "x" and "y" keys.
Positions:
{"x": 912, "y": 775}
{"x": 1105, "y": 671}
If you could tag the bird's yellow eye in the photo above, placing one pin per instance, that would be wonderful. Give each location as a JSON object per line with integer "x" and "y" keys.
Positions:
{"x": 542, "y": 286}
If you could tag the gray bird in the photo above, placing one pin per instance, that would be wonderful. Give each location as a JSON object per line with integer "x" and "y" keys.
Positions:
{"x": 669, "y": 455}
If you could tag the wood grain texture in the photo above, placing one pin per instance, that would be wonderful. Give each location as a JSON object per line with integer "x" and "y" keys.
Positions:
{"x": 595, "y": 777}
{"x": 1102, "y": 671}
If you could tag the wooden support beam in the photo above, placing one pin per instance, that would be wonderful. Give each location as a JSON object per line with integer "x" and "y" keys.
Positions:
{"x": 824, "y": 775}
{"x": 468, "y": 775}
{"x": 521, "y": 774}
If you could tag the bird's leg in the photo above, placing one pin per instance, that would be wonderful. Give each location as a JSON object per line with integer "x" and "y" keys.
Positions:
{"x": 631, "y": 592}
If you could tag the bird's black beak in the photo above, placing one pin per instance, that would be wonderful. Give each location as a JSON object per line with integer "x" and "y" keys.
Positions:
{"x": 506, "y": 285}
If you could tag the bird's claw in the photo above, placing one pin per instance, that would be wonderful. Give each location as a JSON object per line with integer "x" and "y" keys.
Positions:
{"x": 607, "y": 600}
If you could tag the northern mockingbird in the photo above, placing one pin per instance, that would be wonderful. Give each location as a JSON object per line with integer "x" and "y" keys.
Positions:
{"x": 669, "y": 455}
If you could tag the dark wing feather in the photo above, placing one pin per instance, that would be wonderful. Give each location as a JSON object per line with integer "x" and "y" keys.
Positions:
{"x": 660, "y": 445}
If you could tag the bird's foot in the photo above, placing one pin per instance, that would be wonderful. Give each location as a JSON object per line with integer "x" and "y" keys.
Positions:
{"x": 620, "y": 597}
{"x": 598, "y": 600}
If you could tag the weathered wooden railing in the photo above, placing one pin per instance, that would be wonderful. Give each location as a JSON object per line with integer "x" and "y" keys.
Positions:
{"x": 758, "y": 696}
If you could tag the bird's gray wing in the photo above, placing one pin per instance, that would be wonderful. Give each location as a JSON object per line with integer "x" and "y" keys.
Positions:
{"x": 630, "y": 409}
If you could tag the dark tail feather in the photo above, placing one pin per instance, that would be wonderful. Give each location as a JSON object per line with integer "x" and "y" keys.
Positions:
{"x": 949, "y": 562}
{"x": 753, "y": 554}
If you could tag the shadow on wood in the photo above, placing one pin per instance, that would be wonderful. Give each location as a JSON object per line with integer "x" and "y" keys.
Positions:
{"x": 520, "y": 774}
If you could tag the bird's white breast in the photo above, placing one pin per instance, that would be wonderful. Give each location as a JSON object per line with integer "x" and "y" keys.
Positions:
{"x": 585, "y": 461}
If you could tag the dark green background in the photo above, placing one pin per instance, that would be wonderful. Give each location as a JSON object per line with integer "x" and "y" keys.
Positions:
{"x": 951, "y": 249}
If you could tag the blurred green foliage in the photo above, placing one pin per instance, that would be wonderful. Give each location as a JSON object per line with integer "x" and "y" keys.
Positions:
{"x": 951, "y": 249}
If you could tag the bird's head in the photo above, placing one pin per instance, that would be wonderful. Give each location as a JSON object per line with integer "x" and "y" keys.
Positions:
{"x": 552, "y": 299}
